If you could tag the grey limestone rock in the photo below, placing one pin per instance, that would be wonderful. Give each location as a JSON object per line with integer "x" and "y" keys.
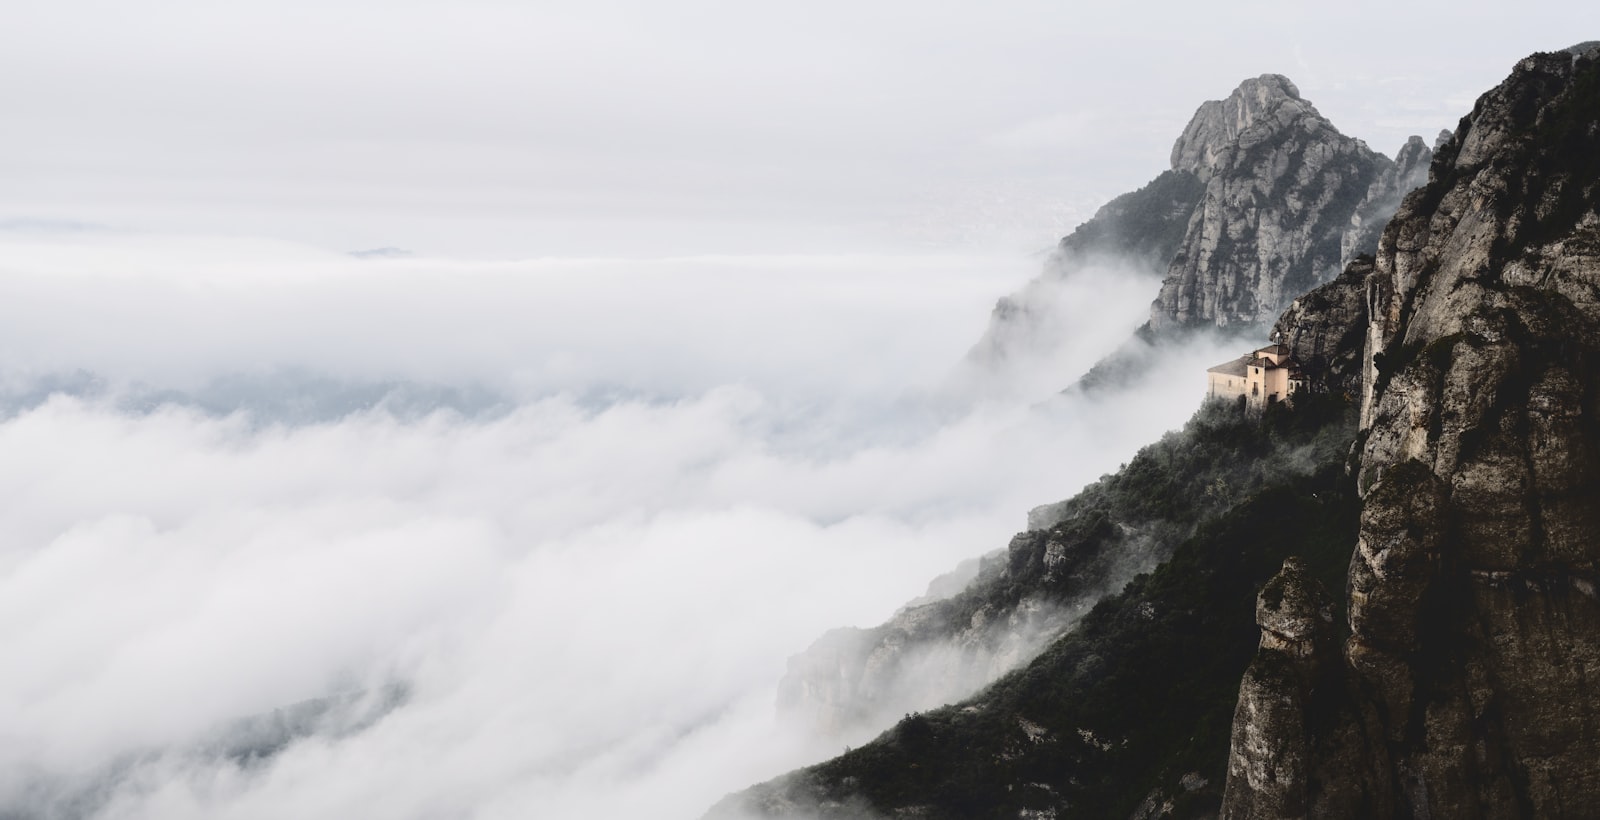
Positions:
{"x": 1472, "y": 671}
{"x": 1481, "y": 638}
{"x": 1409, "y": 172}
{"x": 1288, "y": 199}
{"x": 1299, "y": 746}
{"x": 1265, "y": 199}
{"x": 1258, "y": 107}
{"x": 1326, "y": 330}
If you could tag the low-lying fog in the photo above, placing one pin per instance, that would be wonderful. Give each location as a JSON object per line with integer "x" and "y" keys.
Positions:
{"x": 293, "y": 534}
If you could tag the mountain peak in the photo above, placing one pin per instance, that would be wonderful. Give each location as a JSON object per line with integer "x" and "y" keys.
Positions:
{"x": 1270, "y": 101}
{"x": 1268, "y": 86}
{"x": 1583, "y": 49}
{"x": 1287, "y": 200}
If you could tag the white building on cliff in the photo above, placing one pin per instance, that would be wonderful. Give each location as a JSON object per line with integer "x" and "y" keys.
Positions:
{"x": 1263, "y": 376}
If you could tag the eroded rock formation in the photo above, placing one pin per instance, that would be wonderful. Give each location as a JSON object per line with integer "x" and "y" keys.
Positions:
{"x": 1472, "y": 672}
{"x": 1409, "y": 172}
{"x": 1301, "y": 745}
{"x": 1326, "y": 330}
{"x": 1287, "y": 199}
{"x": 1265, "y": 199}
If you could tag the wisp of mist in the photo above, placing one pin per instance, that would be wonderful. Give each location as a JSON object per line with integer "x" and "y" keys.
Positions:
{"x": 294, "y": 534}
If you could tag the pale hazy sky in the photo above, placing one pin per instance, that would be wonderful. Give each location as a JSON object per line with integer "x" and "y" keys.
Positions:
{"x": 488, "y": 128}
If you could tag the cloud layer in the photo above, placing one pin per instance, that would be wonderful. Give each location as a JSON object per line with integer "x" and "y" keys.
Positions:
{"x": 574, "y": 601}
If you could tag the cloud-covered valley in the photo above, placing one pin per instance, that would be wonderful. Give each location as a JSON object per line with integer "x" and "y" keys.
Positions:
{"x": 558, "y": 576}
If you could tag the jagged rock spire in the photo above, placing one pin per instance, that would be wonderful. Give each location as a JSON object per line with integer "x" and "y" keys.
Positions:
{"x": 1267, "y": 101}
{"x": 1287, "y": 196}
{"x": 1475, "y": 623}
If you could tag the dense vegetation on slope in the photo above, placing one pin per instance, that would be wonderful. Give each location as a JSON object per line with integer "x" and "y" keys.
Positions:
{"x": 1136, "y": 702}
{"x": 1146, "y": 224}
{"x": 1024, "y": 597}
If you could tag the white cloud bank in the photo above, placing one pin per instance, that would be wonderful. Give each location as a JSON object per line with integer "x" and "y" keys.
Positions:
{"x": 584, "y": 599}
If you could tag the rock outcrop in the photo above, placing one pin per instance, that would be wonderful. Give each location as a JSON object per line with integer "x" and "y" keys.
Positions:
{"x": 1287, "y": 199}
{"x": 1409, "y": 172}
{"x": 1264, "y": 200}
{"x": 1471, "y": 677}
{"x": 1326, "y": 331}
{"x": 1261, "y": 105}
{"x": 1297, "y": 739}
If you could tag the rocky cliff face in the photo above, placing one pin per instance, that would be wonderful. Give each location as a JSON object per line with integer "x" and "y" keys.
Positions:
{"x": 1265, "y": 199}
{"x": 1287, "y": 199}
{"x": 1326, "y": 330}
{"x": 1409, "y": 172}
{"x": 1467, "y": 687}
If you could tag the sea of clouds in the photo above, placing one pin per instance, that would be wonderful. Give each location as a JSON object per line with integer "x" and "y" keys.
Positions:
{"x": 289, "y": 533}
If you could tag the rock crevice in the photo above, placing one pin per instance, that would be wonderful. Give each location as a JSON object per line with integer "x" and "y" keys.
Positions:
{"x": 1472, "y": 669}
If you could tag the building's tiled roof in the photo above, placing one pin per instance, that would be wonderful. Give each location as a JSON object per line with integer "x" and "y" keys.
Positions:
{"x": 1241, "y": 365}
{"x": 1268, "y": 364}
{"x": 1231, "y": 368}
